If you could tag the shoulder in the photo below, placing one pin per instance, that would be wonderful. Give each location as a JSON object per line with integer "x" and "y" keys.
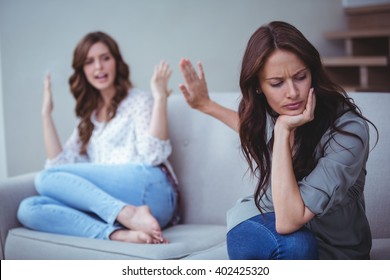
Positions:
{"x": 353, "y": 123}
{"x": 140, "y": 95}
{"x": 351, "y": 133}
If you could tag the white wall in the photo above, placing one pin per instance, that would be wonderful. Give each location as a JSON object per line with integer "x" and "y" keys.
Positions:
{"x": 3, "y": 155}
{"x": 40, "y": 35}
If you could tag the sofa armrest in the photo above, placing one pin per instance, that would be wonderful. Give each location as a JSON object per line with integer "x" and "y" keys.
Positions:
{"x": 12, "y": 191}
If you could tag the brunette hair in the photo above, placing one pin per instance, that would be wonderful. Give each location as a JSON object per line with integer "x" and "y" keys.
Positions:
{"x": 87, "y": 97}
{"x": 331, "y": 102}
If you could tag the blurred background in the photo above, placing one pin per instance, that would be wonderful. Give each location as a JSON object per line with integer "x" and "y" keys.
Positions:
{"x": 39, "y": 36}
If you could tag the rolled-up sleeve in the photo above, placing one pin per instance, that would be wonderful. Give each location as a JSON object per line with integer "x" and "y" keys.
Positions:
{"x": 339, "y": 167}
{"x": 70, "y": 152}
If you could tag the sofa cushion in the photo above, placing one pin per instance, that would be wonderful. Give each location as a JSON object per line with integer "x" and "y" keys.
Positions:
{"x": 375, "y": 106}
{"x": 380, "y": 249}
{"x": 186, "y": 241}
{"x": 208, "y": 161}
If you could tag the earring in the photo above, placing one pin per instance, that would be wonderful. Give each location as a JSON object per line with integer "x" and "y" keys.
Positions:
{"x": 258, "y": 91}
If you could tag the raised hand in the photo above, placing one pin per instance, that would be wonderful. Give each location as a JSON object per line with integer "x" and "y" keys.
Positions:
{"x": 47, "y": 104}
{"x": 197, "y": 95}
{"x": 159, "y": 85}
{"x": 159, "y": 81}
{"x": 195, "y": 88}
{"x": 52, "y": 141}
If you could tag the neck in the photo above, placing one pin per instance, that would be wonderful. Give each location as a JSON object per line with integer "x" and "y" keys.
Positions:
{"x": 102, "y": 111}
{"x": 107, "y": 95}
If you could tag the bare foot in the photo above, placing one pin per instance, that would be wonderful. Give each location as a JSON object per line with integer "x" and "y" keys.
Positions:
{"x": 135, "y": 236}
{"x": 131, "y": 236}
{"x": 140, "y": 218}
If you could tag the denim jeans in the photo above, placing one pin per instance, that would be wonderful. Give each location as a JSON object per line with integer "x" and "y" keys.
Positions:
{"x": 257, "y": 239}
{"x": 84, "y": 199}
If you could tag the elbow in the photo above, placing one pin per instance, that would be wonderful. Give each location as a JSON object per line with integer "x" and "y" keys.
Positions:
{"x": 282, "y": 229}
{"x": 153, "y": 159}
{"x": 286, "y": 224}
{"x": 286, "y": 227}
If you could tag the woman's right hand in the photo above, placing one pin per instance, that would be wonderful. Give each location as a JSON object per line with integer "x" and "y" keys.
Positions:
{"x": 197, "y": 95}
{"x": 195, "y": 88}
{"x": 47, "y": 104}
{"x": 52, "y": 141}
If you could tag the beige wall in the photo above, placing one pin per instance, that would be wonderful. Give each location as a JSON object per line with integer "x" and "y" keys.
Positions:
{"x": 37, "y": 36}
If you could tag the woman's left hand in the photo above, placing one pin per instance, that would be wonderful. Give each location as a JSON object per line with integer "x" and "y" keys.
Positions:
{"x": 159, "y": 81}
{"x": 292, "y": 122}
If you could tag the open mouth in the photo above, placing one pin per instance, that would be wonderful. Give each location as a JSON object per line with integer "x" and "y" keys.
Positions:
{"x": 101, "y": 77}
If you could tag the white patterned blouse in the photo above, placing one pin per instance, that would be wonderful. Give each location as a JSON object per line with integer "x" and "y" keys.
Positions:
{"x": 124, "y": 139}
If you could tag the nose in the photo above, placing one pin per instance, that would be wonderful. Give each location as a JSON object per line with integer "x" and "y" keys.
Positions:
{"x": 98, "y": 64}
{"x": 292, "y": 91}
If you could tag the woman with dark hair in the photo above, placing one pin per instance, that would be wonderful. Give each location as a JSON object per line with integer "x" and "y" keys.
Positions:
{"x": 306, "y": 142}
{"x": 111, "y": 180}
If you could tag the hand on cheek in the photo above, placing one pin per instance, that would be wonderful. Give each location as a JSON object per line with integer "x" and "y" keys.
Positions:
{"x": 292, "y": 122}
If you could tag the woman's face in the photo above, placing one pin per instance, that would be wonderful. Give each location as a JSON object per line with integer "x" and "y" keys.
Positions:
{"x": 100, "y": 68}
{"x": 285, "y": 81}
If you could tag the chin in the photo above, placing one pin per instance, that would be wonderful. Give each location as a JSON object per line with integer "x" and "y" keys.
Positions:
{"x": 293, "y": 112}
{"x": 103, "y": 87}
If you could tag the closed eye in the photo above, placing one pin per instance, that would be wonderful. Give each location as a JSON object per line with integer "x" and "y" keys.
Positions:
{"x": 88, "y": 61}
{"x": 106, "y": 57}
{"x": 277, "y": 84}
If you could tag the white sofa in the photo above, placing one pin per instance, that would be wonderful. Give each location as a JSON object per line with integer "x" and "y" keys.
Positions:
{"x": 212, "y": 175}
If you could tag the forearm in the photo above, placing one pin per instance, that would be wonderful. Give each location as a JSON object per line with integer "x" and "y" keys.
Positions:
{"x": 223, "y": 114}
{"x": 290, "y": 210}
{"x": 51, "y": 139}
{"x": 159, "y": 119}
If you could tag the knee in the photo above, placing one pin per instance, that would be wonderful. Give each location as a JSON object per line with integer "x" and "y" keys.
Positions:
{"x": 244, "y": 242}
{"x": 26, "y": 210}
{"x": 311, "y": 250}
{"x": 235, "y": 243}
{"x": 302, "y": 246}
{"x": 258, "y": 239}
{"x": 41, "y": 179}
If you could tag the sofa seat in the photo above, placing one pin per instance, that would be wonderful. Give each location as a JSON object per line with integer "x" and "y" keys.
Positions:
{"x": 188, "y": 241}
{"x": 380, "y": 249}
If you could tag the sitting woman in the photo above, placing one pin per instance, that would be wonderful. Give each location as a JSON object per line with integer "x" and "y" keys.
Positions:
{"x": 306, "y": 142}
{"x": 112, "y": 179}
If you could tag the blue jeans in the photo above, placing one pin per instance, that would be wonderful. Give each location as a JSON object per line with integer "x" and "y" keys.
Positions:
{"x": 84, "y": 199}
{"x": 257, "y": 239}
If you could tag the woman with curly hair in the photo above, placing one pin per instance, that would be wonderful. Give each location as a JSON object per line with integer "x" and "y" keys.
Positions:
{"x": 111, "y": 180}
{"x": 307, "y": 144}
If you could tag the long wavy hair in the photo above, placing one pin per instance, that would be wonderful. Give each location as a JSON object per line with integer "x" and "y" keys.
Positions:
{"x": 253, "y": 108}
{"x": 88, "y": 98}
